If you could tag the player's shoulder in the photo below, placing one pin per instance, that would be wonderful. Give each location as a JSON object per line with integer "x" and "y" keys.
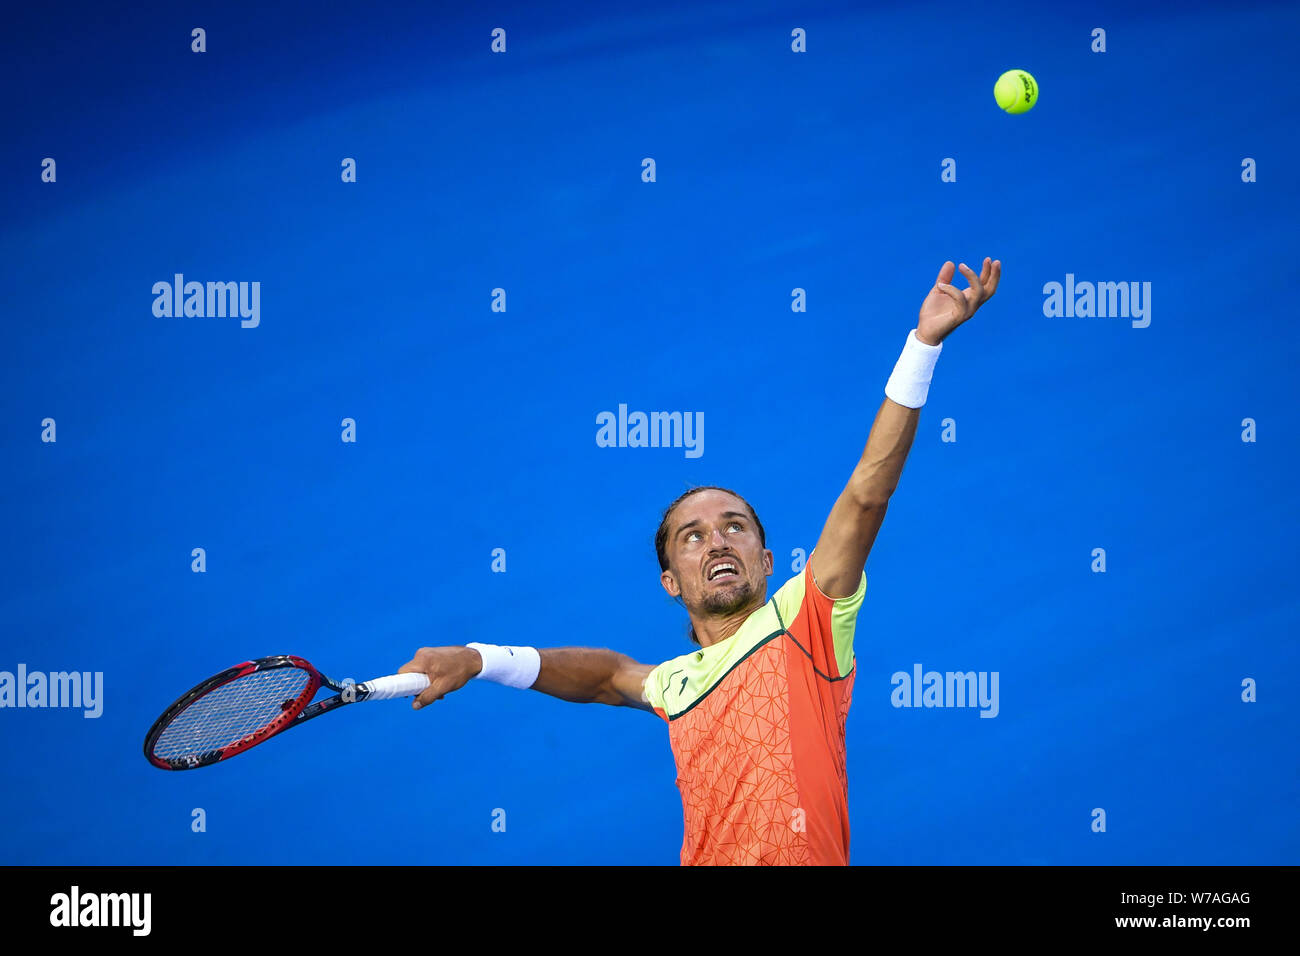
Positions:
{"x": 802, "y": 587}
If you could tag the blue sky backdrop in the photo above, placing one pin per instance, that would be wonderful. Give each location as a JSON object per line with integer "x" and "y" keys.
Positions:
{"x": 476, "y": 429}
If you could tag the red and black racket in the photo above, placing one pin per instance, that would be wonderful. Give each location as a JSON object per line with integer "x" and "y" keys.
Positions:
{"x": 252, "y": 702}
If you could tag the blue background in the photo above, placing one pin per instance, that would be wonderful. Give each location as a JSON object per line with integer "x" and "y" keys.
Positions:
{"x": 476, "y": 429}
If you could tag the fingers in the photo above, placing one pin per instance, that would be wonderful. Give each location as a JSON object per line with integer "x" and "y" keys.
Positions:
{"x": 420, "y": 664}
{"x": 426, "y": 697}
{"x": 976, "y": 287}
{"x": 990, "y": 274}
{"x": 967, "y": 301}
{"x": 436, "y": 690}
{"x": 995, "y": 273}
{"x": 957, "y": 296}
{"x": 982, "y": 286}
{"x": 945, "y": 273}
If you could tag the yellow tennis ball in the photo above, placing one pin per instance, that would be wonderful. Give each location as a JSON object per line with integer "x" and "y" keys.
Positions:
{"x": 1016, "y": 91}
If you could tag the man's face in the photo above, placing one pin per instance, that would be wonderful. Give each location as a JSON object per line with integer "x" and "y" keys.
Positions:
{"x": 716, "y": 562}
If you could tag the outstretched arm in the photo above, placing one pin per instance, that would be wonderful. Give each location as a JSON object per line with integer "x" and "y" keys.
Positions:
{"x": 583, "y": 675}
{"x": 589, "y": 675}
{"x": 855, "y": 519}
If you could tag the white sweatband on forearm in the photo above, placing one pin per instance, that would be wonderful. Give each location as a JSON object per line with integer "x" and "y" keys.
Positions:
{"x": 512, "y": 666}
{"x": 910, "y": 383}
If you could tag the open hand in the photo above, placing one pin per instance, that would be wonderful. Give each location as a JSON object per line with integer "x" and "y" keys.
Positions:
{"x": 947, "y": 307}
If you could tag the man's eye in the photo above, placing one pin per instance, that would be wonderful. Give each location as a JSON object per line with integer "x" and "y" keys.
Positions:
{"x": 734, "y": 524}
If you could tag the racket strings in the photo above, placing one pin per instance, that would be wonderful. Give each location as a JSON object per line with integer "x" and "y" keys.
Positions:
{"x": 231, "y": 712}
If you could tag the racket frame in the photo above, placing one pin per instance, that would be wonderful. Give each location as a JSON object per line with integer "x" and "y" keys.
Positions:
{"x": 301, "y": 710}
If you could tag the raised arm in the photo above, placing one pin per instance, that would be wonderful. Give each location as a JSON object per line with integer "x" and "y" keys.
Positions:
{"x": 583, "y": 675}
{"x": 856, "y": 516}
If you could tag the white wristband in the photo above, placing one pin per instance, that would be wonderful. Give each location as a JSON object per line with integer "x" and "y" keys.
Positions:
{"x": 909, "y": 385}
{"x": 512, "y": 666}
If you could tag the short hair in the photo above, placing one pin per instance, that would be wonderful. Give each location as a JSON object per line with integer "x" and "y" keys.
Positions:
{"x": 661, "y": 535}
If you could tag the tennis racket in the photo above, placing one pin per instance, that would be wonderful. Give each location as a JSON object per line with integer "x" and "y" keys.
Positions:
{"x": 250, "y": 703}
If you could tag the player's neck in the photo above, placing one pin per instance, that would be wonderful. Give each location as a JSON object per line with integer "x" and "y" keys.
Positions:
{"x": 713, "y": 630}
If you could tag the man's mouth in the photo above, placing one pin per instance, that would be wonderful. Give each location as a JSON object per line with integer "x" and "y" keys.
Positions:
{"x": 721, "y": 570}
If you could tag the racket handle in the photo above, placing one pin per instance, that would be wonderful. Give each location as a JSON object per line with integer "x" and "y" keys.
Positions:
{"x": 398, "y": 685}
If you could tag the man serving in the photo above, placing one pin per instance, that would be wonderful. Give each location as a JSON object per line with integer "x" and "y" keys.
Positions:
{"x": 756, "y": 715}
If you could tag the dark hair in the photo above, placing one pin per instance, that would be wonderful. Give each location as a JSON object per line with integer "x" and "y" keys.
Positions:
{"x": 661, "y": 535}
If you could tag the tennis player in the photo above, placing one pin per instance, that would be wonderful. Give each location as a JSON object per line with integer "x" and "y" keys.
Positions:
{"x": 756, "y": 715}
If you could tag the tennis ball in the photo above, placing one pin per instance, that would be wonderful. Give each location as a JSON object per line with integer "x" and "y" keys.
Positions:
{"x": 1016, "y": 91}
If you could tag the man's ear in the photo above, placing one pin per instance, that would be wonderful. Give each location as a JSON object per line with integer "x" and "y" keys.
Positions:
{"x": 767, "y": 562}
{"x": 670, "y": 584}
